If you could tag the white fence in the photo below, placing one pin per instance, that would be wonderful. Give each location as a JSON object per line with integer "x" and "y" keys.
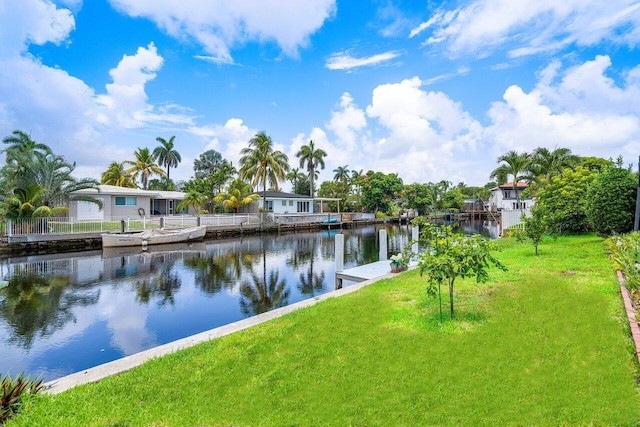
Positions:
{"x": 512, "y": 219}
{"x": 23, "y": 227}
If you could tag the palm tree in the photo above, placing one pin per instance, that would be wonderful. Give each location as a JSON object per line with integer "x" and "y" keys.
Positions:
{"x": 295, "y": 177}
{"x": 356, "y": 181}
{"x": 144, "y": 166}
{"x": 311, "y": 158}
{"x": 234, "y": 199}
{"x": 515, "y": 165}
{"x": 261, "y": 164}
{"x": 116, "y": 175}
{"x": 193, "y": 199}
{"x": 166, "y": 154}
{"x": 21, "y": 142}
{"x": 547, "y": 164}
{"x": 341, "y": 173}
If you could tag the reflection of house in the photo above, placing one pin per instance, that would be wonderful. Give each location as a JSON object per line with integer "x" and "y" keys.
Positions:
{"x": 505, "y": 198}
{"x": 283, "y": 203}
{"x": 125, "y": 202}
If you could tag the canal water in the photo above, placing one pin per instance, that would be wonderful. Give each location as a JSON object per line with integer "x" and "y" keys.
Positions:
{"x": 64, "y": 313}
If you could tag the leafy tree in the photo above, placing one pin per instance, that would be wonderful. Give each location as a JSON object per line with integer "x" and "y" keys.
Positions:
{"x": 611, "y": 201}
{"x": 261, "y": 164}
{"x": 165, "y": 153}
{"x": 338, "y": 190}
{"x": 452, "y": 255}
{"x": 144, "y": 166}
{"x": 562, "y": 200}
{"x": 453, "y": 199}
{"x": 239, "y": 195}
{"x": 418, "y": 197}
{"x": 535, "y": 228}
{"x": 311, "y": 158}
{"x": 116, "y": 175}
{"x": 596, "y": 164}
{"x": 513, "y": 165}
{"x": 211, "y": 166}
{"x": 379, "y": 191}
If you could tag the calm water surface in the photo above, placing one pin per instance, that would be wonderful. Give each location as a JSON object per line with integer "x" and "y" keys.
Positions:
{"x": 64, "y": 313}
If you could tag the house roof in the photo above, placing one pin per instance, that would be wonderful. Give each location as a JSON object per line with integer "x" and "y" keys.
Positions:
{"x": 509, "y": 185}
{"x": 281, "y": 195}
{"x": 114, "y": 190}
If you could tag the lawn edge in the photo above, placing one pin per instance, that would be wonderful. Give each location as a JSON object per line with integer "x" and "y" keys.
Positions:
{"x": 631, "y": 314}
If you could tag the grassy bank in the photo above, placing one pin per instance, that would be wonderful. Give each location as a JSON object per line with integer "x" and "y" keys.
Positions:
{"x": 543, "y": 343}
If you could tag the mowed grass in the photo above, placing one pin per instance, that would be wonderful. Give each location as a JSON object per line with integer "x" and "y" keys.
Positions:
{"x": 544, "y": 343}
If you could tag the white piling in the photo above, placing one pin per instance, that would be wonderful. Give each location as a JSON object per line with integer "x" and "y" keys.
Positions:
{"x": 383, "y": 244}
{"x": 415, "y": 235}
{"x": 339, "y": 252}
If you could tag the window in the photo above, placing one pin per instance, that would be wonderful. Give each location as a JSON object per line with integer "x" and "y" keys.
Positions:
{"x": 284, "y": 203}
{"x": 126, "y": 201}
{"x": 290, "y": 202}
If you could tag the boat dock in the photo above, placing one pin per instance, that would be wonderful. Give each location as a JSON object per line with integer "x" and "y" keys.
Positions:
{"x": 363, "y": 272}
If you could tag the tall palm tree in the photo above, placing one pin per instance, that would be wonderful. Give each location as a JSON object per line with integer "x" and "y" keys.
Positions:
{"x": 517, "y": 166}
{"x": 261, "y": 164}
{"x": 549, "y": 163}
{"x": 311, "y": 158}
{"x": 165, "y": 153}
{"x": 341, "y": 173}
{"x": 144, "y": 166}
{"x": 116, "y": 175}
{"x": 21, "y": 142}
{"x": 295, "y": 177}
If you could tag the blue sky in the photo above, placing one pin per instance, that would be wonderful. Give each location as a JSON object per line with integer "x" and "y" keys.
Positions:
{"x": 430, "y": 90}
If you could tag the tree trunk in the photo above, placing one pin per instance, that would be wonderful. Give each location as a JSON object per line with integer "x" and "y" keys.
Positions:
{"x": 451, "y": 296}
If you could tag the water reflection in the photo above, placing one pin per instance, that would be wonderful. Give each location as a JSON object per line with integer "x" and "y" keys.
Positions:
{"x": 60, "y": 314}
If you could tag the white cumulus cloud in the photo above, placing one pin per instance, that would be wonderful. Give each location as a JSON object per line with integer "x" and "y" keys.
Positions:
{"x": 219, "y": 25}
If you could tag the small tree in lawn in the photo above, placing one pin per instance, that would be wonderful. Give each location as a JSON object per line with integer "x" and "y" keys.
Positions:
{"x": 451, "y": 255}
{"x": 535, "y": 227}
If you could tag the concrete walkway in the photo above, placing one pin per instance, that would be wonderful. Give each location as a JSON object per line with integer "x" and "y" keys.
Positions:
{"x": 117, "y": 366}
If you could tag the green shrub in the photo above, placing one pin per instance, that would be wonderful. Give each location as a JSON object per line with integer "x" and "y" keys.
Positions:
{"x": 611, "y": 201}
{"x": 625, "y": 254}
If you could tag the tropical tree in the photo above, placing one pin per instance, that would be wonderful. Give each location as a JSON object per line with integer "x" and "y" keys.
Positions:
{"x": 217, "y": 171}
{"x": 143, "y": 166}
{"x": 21, "y": 143}
{"x": 261, "y": 164}
{"x": 166, "y": 155}
{"x": 42, "y": 185}
{"x": 298, "y": 180}
{"x": 116, "y": 175}
{"x": 193, "y": 199}
{"x": 341, "y": 173}
{"x": 549, "y": 163}
{"x": 239, "y": 195}
{"x": 379, "y": 190}
{"x": 513, "y": 165}
{"x": 311, "y": 158}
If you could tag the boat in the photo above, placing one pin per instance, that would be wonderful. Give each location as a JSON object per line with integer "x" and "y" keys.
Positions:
{"x": 153, "y": 237}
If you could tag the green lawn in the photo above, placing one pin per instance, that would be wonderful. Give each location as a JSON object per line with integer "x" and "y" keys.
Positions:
{"x": 541, "y": 344}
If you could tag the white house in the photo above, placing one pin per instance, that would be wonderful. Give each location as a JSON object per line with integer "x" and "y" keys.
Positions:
{"x": 284, "y": 203}
{"x": 504, "y": 198}
{"x": 126, "y": 203}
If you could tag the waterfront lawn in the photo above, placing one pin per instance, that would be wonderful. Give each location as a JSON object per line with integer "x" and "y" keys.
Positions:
{"x": 543, "y": 343}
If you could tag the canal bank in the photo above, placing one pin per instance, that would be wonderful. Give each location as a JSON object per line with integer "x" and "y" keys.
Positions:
{"x": 45, "y": 243}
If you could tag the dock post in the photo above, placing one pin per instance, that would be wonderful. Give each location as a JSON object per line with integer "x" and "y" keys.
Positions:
{"x": 383, "y": 245}
{"x": 339, "y": 256}
{"x": 415, "y": 235}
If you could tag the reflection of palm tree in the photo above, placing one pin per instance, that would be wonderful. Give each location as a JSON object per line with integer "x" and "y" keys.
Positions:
{"x": 38, "y": 305}
{"x": 311, "y": 284}
{"x": 213, "y": 273}
{"x": 260, "y": 295}
{"x": 164, "y": 284}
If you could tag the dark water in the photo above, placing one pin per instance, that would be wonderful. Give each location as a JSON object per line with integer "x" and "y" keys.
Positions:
{"x": 64, "y": 313}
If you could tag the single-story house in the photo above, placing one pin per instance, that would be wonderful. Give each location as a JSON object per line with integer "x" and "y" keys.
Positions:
{"x": 122, "y": 202}
{"x": 503, "y": 197}
{"x": 279, "y": 202}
